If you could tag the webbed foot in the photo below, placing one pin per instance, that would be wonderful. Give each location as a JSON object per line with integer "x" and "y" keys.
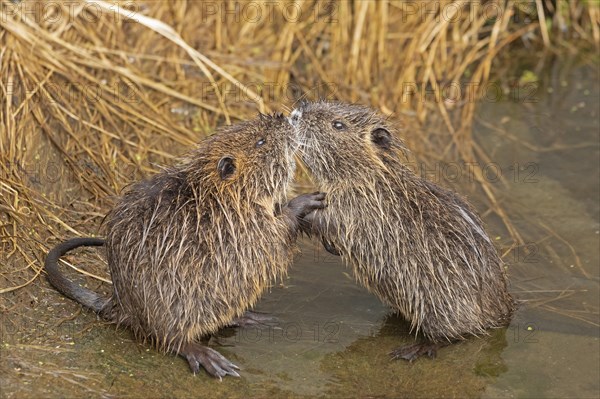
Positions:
{"x": 212, "y": 361}
{"x": 414, "y": 351}
{"x": 252, "y": 318}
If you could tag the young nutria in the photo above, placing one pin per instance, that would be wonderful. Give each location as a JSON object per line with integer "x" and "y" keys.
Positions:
{"x": 419, "y": 247}
{"x": 194, "y": 246}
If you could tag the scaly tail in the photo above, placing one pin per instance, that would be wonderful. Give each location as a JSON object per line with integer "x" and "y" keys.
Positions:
{"x": 67, "y": 287}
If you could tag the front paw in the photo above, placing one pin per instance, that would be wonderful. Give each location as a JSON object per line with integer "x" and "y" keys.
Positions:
{"x": 329, "y": 247}
{"x": 304, "y": 204}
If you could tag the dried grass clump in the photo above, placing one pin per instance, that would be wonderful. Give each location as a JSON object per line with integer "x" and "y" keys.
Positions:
{"x": 92, "y": 99}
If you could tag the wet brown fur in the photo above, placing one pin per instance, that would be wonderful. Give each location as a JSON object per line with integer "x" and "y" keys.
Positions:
{"x": 189, "y": 250}
{"x": 419, "y": 247}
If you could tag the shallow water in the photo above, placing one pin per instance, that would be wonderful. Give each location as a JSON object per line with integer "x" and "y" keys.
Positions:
{"x": 558, "y": 280}
{"x": 332, "y": 338}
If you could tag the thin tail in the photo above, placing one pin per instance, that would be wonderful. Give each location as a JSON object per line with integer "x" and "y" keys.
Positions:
{"x": 86, "y": 297}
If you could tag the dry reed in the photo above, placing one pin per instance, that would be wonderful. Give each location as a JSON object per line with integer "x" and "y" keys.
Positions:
{"x": 95, "y": 95}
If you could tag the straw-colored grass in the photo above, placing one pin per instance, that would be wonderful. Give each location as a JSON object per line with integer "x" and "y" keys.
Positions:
{"x": 92, "y": 99}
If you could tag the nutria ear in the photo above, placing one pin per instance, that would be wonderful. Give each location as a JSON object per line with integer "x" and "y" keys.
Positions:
{"x": 382, "y": 138}
{"x": 226, "y": 167}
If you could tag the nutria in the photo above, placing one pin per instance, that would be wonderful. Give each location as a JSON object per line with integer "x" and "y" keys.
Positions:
{"x": 194, "y": 246}
{"x": 419, "y": 247}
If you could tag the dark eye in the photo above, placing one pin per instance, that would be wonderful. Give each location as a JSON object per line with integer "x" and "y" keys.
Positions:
{"x": 338, "y": 125}
{"x": 260, "y": 142}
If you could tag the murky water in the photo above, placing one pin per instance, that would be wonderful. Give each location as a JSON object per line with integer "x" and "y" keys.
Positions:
{"x": 332, "y": 338}
{"x": 553, "y": 343}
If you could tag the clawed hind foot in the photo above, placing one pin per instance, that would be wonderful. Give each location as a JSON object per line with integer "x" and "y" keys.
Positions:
{"x": 414, "y": 351}
{"x": 251, "y": 318}
{"x": 212, "y": 361}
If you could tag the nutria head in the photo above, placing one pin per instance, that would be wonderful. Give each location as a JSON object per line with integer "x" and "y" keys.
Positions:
{"x": 344, "y": 141}
{"x": 250, "y": 160}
